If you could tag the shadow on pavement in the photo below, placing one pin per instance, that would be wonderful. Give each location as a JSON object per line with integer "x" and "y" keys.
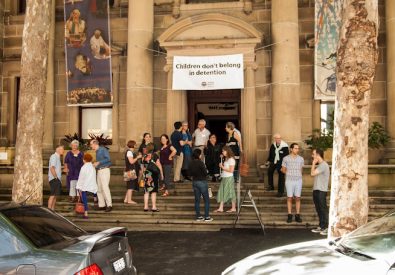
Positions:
{"x": 196, "y": 253}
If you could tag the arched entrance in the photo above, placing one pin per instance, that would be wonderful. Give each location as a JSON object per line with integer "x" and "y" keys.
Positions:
{"x": 208, "y": 35}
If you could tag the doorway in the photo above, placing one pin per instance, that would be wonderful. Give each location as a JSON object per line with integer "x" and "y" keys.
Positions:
{"x": 217, "y": 107}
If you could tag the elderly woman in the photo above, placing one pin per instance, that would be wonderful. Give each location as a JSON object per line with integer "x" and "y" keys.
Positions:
{"x": 72, "y": 166}
{"x": 87, "y": 182}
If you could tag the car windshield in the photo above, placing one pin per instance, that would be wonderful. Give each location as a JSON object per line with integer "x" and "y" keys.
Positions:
{"x": 43, "y": 227}
{"x": 375, "y": 238}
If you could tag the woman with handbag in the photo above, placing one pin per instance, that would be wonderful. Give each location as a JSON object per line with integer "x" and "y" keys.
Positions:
{"x": 152, "y": 171}
{"x": 87, "y": 182}
{"x": 131, "y": 172}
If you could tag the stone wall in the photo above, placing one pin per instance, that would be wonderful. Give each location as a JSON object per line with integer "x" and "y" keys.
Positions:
{"x": 66, "y": 118}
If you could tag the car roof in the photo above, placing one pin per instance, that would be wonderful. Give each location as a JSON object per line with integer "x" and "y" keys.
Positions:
{"x": 13, "y": 205}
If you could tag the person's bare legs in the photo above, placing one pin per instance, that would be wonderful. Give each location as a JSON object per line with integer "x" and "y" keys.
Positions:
{"x": 289, "y": 205}
{"x": 51, "y": 202}
{"x": 220, "y": 208}
{"x": 233, "y": 209}
{"x": 153, "y": 200}
{"x": 146, "y": 197}
{"x": 297, "y": 205}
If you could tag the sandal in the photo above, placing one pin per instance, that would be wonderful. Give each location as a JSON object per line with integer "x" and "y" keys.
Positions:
{"x": 218, "y": 211}
{"x": 146, "y": 210}
{"x": 166, "y": 194}
{"x": 231, "y": 211}
{"x": 155, "y": 210}
{"x": 132, "y": 202}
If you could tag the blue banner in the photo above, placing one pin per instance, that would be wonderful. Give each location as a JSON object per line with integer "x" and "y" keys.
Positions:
{"x": 88, "y": 52}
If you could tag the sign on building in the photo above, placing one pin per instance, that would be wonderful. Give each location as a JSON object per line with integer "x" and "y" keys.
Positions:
{"x": 88, "y": 52}
{"x": 327, "y": 28}
{"x": 208, "y": 72}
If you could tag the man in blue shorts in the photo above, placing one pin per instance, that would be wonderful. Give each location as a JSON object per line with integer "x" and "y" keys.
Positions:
{"x": 292, "y": 168}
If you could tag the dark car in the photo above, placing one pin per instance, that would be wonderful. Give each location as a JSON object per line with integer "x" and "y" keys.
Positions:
{"x": 37, "y": 240}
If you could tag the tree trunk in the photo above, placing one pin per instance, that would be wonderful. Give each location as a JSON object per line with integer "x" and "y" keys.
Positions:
{"x": 28, "y": 171}
{"x": 356, "y": 61}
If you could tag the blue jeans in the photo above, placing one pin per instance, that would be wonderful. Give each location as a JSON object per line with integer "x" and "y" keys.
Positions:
{"x": 201, "y": 188}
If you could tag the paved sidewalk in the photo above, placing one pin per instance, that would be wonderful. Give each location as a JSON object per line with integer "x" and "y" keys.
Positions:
{"x": 205, "y": 253}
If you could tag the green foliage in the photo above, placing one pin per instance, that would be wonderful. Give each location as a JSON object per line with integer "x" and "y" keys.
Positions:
{"x": 320, "y": 139}
{"x": 84, "y": 145}
{"x": 378, "y": 136}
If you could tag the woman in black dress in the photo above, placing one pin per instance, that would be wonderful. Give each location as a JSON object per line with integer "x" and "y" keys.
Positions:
{"x": 213, "y": 157}
{"x": 234, "y": 142}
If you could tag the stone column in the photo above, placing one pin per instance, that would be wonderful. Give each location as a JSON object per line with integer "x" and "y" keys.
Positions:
{"x": 176, "y": 104}
{"x": 115, "y": 106}
{"x": 316, "y": 114}
{"x": 139, "y": 82}
{"x": 285, "y": 71}
{"x": 390, "y": 32}
{"x": 248, "y": 115}
{"x": 50, "y": 89}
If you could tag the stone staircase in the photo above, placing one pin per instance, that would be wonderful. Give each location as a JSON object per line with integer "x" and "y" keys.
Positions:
{"x": 177, "y": 210}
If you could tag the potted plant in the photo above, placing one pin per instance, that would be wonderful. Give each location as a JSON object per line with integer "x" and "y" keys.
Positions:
{"x": 377, "y": 139}
{"x": 323, "y": 140}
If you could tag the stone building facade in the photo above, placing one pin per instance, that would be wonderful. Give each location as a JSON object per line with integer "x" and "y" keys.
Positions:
{"x": 273, "y": 35}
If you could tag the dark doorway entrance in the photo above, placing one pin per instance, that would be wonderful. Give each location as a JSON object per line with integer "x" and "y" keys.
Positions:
{"x": 217, "y": 107}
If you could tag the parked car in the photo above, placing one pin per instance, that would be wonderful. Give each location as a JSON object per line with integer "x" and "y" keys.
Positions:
{"x": 37, "y": 240}
{"x": 368, "y": 250}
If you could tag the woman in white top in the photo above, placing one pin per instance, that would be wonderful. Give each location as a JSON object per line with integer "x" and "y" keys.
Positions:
{"x": 226, "y": 191}
{"x": 87, "y": 182}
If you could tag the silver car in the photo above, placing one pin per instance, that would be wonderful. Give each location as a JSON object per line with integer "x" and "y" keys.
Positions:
{"x": 368, "y": 250}
{"x": 36, "y": 240}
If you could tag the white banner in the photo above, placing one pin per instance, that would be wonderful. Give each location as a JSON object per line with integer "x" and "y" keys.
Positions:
{"x": 208, "y": 72}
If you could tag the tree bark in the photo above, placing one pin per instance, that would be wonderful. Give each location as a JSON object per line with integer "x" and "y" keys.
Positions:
{"x": 28, "y": 169}
{"x": 356, "y": 61}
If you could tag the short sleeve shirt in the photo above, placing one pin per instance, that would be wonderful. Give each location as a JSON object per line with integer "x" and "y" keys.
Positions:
{"x": 175, "y": 138}
{"x": 227, "y": 163}
{"x": 321, "y": 180}
{"x": 201, "y": 137}
{"x": 294, "y": 167}
{"x": 54, "y": 161}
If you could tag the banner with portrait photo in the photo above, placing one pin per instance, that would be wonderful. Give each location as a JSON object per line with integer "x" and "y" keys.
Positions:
{"x": 208, "y": 72}
{"x": 327, "y": 28}
{"x": 88, "y": 52}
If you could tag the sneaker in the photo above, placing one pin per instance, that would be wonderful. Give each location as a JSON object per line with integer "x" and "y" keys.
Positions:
{"x": 108, "y": 209}
{"x": 208, "y": 219}
{"x": 199, "y": 219}
{"x": 289, "y": 220}
{"x": 316, "y": 230}
{"x": 298, "y": 218}
{"x": 324, "y": 232}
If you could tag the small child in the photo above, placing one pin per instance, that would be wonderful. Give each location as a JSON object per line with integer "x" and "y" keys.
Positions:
{"x": 87, "y": 182}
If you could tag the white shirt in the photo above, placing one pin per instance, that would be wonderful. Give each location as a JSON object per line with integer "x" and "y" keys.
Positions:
{"x": 96, "y": 44}
{"x": 201, "y": 137}
{"x": 227, "y": 164}
{"x": 87, "y": 178}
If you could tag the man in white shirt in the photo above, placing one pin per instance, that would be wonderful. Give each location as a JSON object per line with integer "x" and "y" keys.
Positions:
{"x": 200, "y": 137}
{"x": 54, "y": 176}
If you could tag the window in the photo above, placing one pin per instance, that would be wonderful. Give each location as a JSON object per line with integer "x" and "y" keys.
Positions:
{"x": 96, "y": 121}
{"x": 21, "y": 6}
{"x": 327, "y": 116}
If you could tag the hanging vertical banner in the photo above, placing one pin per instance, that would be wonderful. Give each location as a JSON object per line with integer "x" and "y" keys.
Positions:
{"x": 88, "y": 54}
{"x": 327, "y": 28}
{"x": 208, "y": 72}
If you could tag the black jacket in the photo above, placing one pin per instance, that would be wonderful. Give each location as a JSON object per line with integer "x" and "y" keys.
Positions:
{"x": 272, "y": 154}
{"x": 197, "y": 170}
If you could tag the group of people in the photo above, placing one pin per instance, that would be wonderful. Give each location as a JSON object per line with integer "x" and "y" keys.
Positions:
{"x": 289, "y": 165}
{"x": 83, "y": 176}
{"x": 193, "y": 157}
